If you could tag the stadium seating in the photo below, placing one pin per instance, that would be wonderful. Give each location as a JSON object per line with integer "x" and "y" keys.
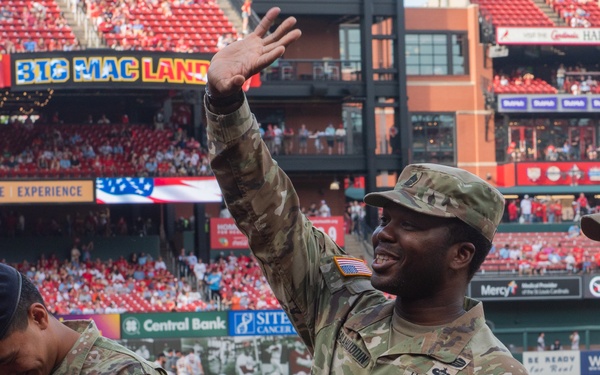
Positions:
{"x": 556, "y": 242}
{"x": 514, "y": 13}
{"x": 566, "y": 8}
{"x": 143, "y": 295}
{"x": 18, "y": 26}
{"x": 182, "y": 27}
{"x": 536, "y": 86}
{"x": 140, "y": 140}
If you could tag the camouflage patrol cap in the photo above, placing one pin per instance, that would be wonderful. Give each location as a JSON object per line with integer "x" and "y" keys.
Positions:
{"x": 590, "y": 226}
{"x": 10, "y": 294}
{"x": 444, "y": 191}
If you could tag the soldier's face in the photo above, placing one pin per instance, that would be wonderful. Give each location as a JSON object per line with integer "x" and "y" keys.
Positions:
{"x": 24, "y": 352}
{"x": 411, "y": 254}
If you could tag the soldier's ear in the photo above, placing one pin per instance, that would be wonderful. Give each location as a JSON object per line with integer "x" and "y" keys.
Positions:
{"x": 38, "y": 315}
{"x": 461, "y": 254}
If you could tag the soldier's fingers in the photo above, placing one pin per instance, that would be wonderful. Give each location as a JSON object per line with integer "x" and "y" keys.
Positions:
{"x": 283, "y": 42}
{"x": 266, "y": 22}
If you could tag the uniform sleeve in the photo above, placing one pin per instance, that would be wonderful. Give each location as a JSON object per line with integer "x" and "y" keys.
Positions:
{"x": 265, "y": 206}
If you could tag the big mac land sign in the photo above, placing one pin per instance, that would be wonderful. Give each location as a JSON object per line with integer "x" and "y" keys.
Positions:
{"x": 106, "y": 69}
{"x": 224, "y": 234}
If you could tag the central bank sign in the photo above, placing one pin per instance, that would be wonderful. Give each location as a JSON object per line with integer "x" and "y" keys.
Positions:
{"x": 174, "y": 325}
{"x": 526, "y": 288}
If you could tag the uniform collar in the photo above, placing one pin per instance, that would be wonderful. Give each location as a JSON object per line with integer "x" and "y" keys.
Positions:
{"x": 75, "y": 359}
{"x": 444, "y": 344}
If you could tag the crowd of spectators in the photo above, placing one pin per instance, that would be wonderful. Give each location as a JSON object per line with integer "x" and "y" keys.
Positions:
{"x": 80, "y": 285}
{"x": 573, "y": 79}
{"x": 77, "y": 222}
{"x": 576, "y": 13}
{"x": 106, "y": 149}
{"x": 25, "y": 26}
{"x": 234, "y": 281}
{"x": 535, "y": 255}
{"x": 127, "y": 25}
{"x": 541, "y": 209}
{"x": 577, "y": 80}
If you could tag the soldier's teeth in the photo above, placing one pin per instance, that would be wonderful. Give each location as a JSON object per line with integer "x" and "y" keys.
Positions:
{"x": 382, "y": 258}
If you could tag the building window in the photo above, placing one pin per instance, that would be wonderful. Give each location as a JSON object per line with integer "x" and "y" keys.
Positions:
{"x": 436, "y": 54}
{"x": 350, "y": 46}
{"x": 433, "y": 138}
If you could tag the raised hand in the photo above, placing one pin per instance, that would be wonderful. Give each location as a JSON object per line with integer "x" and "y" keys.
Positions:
{"x": 231, "y": 66}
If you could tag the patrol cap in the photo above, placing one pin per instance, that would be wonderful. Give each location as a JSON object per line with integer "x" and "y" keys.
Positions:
{"x": 443, "y": 191}
{"x": 10, "y": 294}
{"x": 590, "y": 226}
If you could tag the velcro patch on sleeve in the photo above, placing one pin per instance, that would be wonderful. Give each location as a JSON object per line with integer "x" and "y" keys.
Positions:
{"x": 349, "y": 266}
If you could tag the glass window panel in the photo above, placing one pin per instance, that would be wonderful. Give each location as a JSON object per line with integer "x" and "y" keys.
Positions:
{"x": 425, "y": 38}
{"x": 412, "y": 70}
{"x": 426, "y": 70}
{"x": 433, "y": 138}
{"x": 412, "y": 60}
{"x": 440, "y": 60}
{"x": 440, "y": 70}
{"x": 412, "y": 39}
{"x": 439, "y": 39}
{"x": 426, "y": 49}
{"x": 441, "y": 50}
{"x": 426, "y": 60}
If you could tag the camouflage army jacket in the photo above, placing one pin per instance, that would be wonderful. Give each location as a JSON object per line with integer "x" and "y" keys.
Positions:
{"x": 93, "y": 354}
{"x": 343, "y": 320}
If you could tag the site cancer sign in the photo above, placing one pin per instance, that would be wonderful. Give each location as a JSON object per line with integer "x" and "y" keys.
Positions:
{"x": 264, "y": 322}
{"x": 224, "y": 234}
{"x": 174, "y": 325}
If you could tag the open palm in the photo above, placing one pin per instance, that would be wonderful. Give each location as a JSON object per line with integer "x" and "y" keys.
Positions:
{"x": 232, "y": 65}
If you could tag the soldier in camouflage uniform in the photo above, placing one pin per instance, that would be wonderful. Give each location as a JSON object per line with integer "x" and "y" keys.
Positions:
{"x": 33, "y": 341}
{"x": 435, "y": 231}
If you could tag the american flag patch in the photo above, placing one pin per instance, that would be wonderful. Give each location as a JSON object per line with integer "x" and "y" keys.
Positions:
{"x": 352, "y": 266}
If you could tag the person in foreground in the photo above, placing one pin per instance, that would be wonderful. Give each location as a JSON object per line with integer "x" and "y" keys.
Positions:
{"x": 590, "y": 226}
{"x": 435, "y": 230}
{"x": 34, "y": 342}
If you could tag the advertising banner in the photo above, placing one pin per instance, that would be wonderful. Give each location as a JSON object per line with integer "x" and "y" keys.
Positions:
{"x": 69, "y": 191}
{"x": 174, "y": 325}
{"x": 4, "y": 70}
{"x": 548, "y": 103}
{"x": 224, "y": 234}
{"x": 264, "y": 322}
{"x": 590, "y": 362}
{"x": 333, "y": 226}
{"x": 558, "y": 173}
{"x": 563, "y": 362}
{"x": 591, "y": 288}
{"x": 108, "y": 324}
{"x": 284, "y": 355}
{"x": 548, "y": 35}
{"x": 115, "y": 190}
{"x": 526, "y": 288}
{"x": 107, "y": 69}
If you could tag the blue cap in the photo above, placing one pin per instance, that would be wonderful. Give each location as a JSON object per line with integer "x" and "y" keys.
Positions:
{"x": 10, "y": 293}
